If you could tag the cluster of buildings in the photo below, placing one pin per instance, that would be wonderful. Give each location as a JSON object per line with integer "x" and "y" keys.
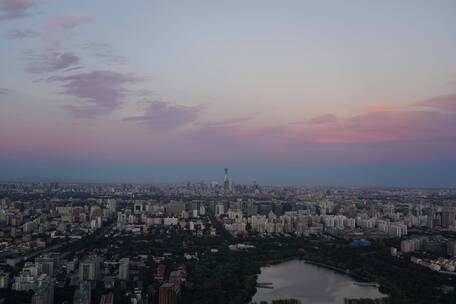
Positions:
{"x": 29, "y": 226}
{"x": 38, "y": 237}
{"x": 435, "y": 253}
{"x": 145, "y": 214}
{"x": 170, "y": 291}
{"x": 314, "y": 218}
{"x": 43, "y": 225}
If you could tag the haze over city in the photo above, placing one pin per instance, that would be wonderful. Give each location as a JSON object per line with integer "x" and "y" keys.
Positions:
{"x": 356, "y": 93}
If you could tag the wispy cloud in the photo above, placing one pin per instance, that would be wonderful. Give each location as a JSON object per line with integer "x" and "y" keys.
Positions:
{"x": 379, "y": 107}
{"x": 66, "y": 22}
{"x": 52, "y": 58}
{"x": 104, "y": 51}
{"x": 98, "y": 92}
{"x": 49, "y": 31}
{"x": 21, "y": 34}
{"x": 51, "y": 62}
{"x": 11, "y": 9}
{"x": 322, "y": 119}
{"x": 226, "y": 122}
{"x": 161, "y": 115}
{"x": 3, "y": 91}
{"x": 446, "y": 103}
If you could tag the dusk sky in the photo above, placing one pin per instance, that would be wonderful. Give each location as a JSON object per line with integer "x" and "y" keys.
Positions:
{"x": 358, "y": 93}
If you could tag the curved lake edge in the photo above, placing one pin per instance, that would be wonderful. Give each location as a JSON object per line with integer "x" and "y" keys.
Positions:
{"x": 384, "y": 290}
{"x": 347, "y": 272}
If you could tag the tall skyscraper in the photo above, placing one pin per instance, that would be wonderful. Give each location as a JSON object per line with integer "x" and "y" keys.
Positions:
{"x": 226, "y": 181}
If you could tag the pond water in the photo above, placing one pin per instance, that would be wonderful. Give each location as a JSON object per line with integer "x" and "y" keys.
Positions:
{"x": 309, "y": 284}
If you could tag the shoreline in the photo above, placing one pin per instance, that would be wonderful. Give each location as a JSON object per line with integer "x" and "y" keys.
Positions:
{"x": 348, "y": 272}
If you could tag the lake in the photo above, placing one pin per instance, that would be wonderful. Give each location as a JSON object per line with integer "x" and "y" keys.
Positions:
{"x": 310, "y": 284}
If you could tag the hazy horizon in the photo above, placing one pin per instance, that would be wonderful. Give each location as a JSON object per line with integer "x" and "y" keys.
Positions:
{"x": 365, "y": 175}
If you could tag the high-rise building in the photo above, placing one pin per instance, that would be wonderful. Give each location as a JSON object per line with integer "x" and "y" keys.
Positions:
{"x": 82, "y": 294}
{"x": 46, "y": 264}
{"x": 226, "y": 181}
{"x": 202, "y": 210}
{"x": 138, "y": 208}
{"x": 219, "y": 209}
{"x": 4, "y": 279}
{"x": 124, "y": 267}
{"x": 89, "y": 270}
{"x": 112, "y": 205}
{"x": 448, "y": 217}
{"x": 451, "y": 248}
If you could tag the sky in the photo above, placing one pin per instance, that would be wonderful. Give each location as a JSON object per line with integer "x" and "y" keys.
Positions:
{"x": 349, "y": 93}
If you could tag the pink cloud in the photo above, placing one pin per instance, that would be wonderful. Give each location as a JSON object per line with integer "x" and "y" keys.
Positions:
{"x": 161, "y": 115}
{"x": 379, "y": 107}
{"x": 405, "y": 134}
{"x": 66, "y": 22}
{"x": 50, "y": 29}
{"x": 382, "y": 126}
{"x": 445, "y": 103}
{"x": 385, "y": 134}
{"x": 11, "y": 9}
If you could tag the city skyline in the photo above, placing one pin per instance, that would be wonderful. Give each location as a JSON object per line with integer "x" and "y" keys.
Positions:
{"x": 299, "y": 92}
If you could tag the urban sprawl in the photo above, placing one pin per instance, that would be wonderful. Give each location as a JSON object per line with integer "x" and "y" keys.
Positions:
{"x": 101, "y": 243}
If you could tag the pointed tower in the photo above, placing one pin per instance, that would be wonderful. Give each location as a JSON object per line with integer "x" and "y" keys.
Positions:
{"x": 226, "y": 181}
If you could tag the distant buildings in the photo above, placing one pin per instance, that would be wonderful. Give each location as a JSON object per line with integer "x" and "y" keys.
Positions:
{"x": 29, "y": 224}
{"x": 411, "y": 245}
{"x": 30, "y": 278}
